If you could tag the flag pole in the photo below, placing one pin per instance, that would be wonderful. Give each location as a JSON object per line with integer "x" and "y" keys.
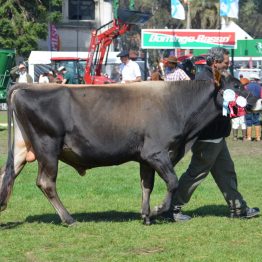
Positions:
{"x": 188, "y": 21}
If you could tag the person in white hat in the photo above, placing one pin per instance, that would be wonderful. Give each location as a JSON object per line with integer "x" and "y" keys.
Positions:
{"x": 67, "y": 76}
{"x": 21, "y": 76}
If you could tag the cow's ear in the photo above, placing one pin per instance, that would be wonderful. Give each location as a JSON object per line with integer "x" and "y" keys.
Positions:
{"x": 217, "y": 78}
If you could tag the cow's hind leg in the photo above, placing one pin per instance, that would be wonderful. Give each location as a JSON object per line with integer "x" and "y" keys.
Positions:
{"x": 46, "y": 181}
{"x": 160, "y": 161}
{"x": 147, "y": 176}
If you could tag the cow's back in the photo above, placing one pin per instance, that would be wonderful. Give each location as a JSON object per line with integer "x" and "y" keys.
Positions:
{"x": 107, "y": 124}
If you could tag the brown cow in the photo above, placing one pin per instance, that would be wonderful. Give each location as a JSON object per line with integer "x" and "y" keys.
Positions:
{"x": 153, "y": 123}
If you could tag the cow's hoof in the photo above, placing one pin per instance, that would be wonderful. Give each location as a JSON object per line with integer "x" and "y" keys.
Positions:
{"x": 74, "y": 224}
{"x": 69, "y": 222}
{"x": 147, "y": 221}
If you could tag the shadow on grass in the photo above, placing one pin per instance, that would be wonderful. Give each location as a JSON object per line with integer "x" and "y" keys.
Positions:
{"x": 116, "y": 216}
{"x": 209, "y": 210}
{"x": 108, "y": 216}
{"x": 10, "y": 225}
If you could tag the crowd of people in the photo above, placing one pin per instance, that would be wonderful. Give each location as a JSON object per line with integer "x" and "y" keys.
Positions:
{"x": 60, "y": 76}
{"x": 249, "y": 123}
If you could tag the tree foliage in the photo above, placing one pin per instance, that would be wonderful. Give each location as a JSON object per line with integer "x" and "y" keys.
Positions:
{"x": 250, "y": 18}
{"x": 23, "y": 23}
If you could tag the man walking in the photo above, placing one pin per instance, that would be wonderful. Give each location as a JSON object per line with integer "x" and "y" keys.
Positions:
{"x": 210, "y": 154}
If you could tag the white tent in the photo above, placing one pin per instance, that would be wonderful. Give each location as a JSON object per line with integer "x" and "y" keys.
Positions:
{"x": 233, "y": 27}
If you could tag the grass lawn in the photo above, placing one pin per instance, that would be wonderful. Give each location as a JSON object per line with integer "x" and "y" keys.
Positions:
{"x": 106, "y": 202}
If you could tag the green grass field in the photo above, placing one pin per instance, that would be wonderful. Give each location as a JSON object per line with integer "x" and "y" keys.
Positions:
{"x": 106, "y": 204}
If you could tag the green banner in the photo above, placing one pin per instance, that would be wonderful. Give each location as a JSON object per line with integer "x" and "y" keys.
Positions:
{"x": 249, "y": 48}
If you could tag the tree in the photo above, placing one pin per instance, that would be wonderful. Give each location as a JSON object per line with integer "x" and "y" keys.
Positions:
{"x": 250, "y": 17}
{"x": 23, "y": 23}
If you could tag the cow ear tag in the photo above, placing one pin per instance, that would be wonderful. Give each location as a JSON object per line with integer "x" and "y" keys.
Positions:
{"x": 241, "y": 101}
{"x": 228, "y": 96}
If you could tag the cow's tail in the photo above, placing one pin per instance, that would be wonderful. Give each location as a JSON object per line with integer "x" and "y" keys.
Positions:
{"x": 7, "y": 175}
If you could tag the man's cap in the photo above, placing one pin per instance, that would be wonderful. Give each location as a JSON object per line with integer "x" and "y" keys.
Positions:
{"x": 254, "y": 76}
{"x": 172, "y": 59}
{"x": 123, "y": 53}
{"x": 244, "y": 81}
{"x": 21, "y": 66}
{"x": 61, "y": 68}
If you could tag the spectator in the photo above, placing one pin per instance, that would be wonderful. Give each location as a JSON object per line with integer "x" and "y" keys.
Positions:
{"x": 252, "y": 119}
{"x": 210, "y": 154}
{"x": 21, "y": 76}
{"x": 43, "y": 78}
{"x": 174, "y": 73}
{"x": 58, "y": 77}
{"x": 115, "y": 75}
{"x": 129, "y": 70}
{"x": 67, "y": 76}
{"x": 51, "y": 76}
{"x": 241, "y": 120}
{"x": 156, "y": 75}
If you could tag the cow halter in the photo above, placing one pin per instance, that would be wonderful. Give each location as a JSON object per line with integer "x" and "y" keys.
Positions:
{"x": 233, "y": 104}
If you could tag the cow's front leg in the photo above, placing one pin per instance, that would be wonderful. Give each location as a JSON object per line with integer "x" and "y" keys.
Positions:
{"x": 160, "y": 161}
{"x": 147, "y": 176}
{"x": 46, "y": 181}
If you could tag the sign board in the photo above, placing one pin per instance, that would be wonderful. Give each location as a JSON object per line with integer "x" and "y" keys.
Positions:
{"x": 187, "y": 39}
{"x": 249, "y": 48}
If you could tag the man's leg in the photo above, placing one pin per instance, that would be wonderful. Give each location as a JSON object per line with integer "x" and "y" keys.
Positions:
{"x": 223, "y": 171}
{"x": 203, "y": 158}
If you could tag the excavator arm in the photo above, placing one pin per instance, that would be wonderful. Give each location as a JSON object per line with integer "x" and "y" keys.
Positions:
{"x": 99, "y": 45}
{"x": 101, "y": 40}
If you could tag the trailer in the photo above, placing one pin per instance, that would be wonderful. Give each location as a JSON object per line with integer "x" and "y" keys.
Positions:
{"x": 7, "y": 62}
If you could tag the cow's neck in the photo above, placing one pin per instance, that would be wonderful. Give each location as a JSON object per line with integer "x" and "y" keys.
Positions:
{"x": 199, "y": 109}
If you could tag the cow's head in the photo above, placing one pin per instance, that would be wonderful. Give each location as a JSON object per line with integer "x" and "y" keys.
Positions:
{"x": 228, "y": 86}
